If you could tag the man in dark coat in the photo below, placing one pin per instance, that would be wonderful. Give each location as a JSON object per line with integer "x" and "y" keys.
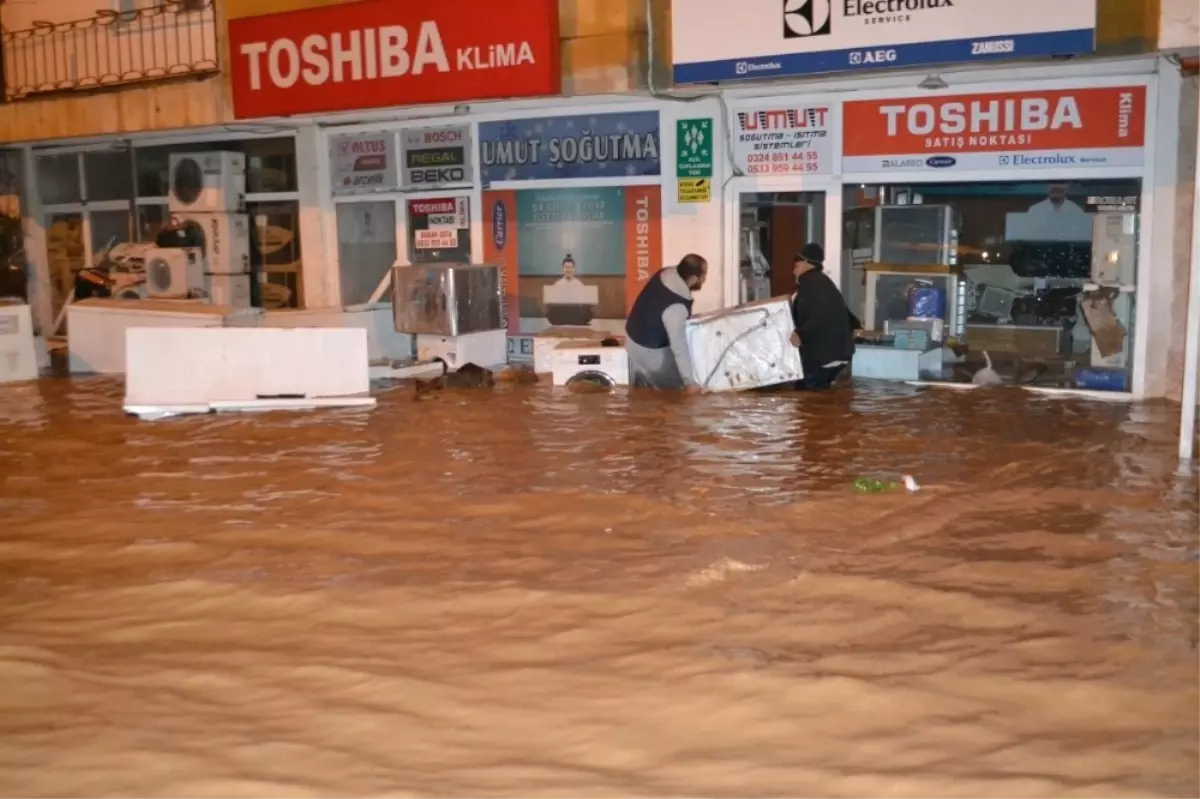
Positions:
{"x": 824, "y": 325}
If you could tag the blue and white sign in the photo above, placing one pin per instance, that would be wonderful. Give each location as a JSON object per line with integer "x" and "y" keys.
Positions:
{"x": 779, "y": 38}
{"x": 584, "y": 146}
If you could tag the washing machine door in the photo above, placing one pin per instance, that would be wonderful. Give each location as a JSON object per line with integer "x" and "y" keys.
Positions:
{"x": 592, "y": 377}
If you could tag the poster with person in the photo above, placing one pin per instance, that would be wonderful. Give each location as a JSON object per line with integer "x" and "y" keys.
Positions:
{"x": 573, "y": 257}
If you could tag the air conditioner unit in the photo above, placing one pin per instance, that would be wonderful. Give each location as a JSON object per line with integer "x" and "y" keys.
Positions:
{"x": 212, "y": 182}
{"x": 223, "y": 238}
{"x": 232, "y": 291}
{"x": 174, "y": 273}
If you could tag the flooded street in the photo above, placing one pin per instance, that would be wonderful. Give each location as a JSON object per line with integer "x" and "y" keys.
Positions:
{"x": 533, "y": 592}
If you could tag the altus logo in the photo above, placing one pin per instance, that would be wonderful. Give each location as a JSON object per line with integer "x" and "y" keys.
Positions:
{"x": 803, "y": 18}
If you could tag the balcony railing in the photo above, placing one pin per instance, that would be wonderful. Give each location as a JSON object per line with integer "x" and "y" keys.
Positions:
{"x": 174, "y": 39}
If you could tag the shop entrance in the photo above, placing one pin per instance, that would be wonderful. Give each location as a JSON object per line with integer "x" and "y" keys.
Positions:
{"x": 772, "y": 229}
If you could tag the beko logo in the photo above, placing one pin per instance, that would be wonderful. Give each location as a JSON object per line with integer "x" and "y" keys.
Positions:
{"x": 804, "y": 18}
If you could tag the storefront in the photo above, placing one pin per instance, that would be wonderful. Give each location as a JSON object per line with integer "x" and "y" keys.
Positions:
{"x": 577, "y": 198}
{"x": 89, "y": 196}
{"x": 1022, "y": 199}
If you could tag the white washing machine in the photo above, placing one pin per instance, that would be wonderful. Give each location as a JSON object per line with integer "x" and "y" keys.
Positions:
{"x": 587, "y": 361}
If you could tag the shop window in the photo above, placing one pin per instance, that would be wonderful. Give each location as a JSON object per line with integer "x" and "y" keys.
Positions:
{"x": 58, "y": 179}
{"x": 1039, "y": 275}
{"x": 774, "y": 227}
{"x": 275, "y": 251}
{"x": 108, "y": 175}
{"x": 366, "y": 247}
{"x": 270, "y": 164}
{"x": 150, "y": 220}
{"x": 65, "y": 253}
{"x": 109, "y": 228}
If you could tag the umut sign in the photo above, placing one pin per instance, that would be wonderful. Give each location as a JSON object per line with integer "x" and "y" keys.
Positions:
{"x": 378, "y": 53}
{"x": 1080, "y": 127}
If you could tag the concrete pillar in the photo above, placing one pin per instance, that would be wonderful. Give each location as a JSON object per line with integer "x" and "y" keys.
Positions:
{"x": 320, "y": 287}
{"x": 37, "y": 268}
{"x": 1184, "y": 222}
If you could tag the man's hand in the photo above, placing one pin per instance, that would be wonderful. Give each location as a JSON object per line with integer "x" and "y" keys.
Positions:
{"x": 795, "y": 339}
{"x": 693, "y": 390}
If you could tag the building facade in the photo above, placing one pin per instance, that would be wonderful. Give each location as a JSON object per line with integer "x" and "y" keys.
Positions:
{"x": 601, "y": 140}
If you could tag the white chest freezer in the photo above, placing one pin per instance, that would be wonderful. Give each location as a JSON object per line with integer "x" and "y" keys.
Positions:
{"x": 744, "y": 347}
{"x": 96, "y": 327}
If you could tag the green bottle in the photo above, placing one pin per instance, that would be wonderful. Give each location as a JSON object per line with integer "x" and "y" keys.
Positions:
{"x": 875, "y": 485}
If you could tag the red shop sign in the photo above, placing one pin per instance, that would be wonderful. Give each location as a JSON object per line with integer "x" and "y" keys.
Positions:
{"x": 380, "y": 53}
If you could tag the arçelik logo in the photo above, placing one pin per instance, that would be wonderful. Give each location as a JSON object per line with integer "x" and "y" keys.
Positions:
{"x": 804, "y": 18}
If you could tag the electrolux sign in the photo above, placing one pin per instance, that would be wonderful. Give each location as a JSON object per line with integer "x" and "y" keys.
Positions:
{"x": 778, "y": 38}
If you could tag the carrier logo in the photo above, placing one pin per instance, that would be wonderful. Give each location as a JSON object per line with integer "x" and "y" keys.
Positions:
{"x": 940, "y": 161}
{"x": 804, "y": 18}
{"x": 499, "y": 225}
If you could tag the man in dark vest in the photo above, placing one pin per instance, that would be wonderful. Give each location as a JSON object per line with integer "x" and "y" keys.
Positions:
{"x": 655, "y": 329}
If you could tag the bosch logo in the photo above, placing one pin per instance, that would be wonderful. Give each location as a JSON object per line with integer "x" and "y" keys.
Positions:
{"x": 499, "y": 225}
{"x": 940, "y": 161}
{"x": 804, "y": 18}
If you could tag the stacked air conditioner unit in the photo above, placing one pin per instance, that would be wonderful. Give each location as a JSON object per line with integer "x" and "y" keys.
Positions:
{"x": 144, "y": 269}
{"x": 174, "y": 273}
{"x": 208, "y": 203}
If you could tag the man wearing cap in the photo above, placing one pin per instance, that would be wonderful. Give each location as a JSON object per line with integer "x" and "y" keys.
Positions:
{"x": 654, "y": 330}
{"x": 824, "y": 326}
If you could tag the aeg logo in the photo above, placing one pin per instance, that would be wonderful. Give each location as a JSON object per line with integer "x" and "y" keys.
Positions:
{"x": 804, "y": 18}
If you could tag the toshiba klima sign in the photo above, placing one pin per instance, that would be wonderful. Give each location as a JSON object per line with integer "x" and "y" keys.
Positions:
{"x": 378, "y": 53}
{"x": 369, "y": 54}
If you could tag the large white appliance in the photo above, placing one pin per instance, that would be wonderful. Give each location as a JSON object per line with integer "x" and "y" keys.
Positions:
{"x": 232, "y": 291}
{"x": 915, "y": 235}
{"x": 1114, "y": 260}
{"x": 174, "y": 273}
{"x": 574, "y": 362}
{"x": 383, "y": 342}
{"x": 96, "y": 327}
{"x": 208, "y": 182}
{"x": 224, "y": 238}
{"x": 744, "y": 347}
{"x": 488, "y": 348}
{"x": 545, "y": 342}
{"x": 1114, "y": 248}
{"x": 18, "y": 354}
{"x": 180, "y": 367}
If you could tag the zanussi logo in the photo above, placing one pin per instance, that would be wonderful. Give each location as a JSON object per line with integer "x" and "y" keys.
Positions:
{"x": 804, "y": 18}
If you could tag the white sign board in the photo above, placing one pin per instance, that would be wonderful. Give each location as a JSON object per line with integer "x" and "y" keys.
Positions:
{"x": 437, "y": 239}
{"x": 436, "y": 157}
{"x": 778, "y": 139}
{"x": 363, "y": 163}
{"x": 720, "y": 40}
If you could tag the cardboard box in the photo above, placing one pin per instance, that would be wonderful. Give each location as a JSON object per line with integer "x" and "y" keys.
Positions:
{"x": 1026, "y": 341}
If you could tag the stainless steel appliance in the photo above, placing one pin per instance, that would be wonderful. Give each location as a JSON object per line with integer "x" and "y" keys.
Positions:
{"x": 447, "y": 299}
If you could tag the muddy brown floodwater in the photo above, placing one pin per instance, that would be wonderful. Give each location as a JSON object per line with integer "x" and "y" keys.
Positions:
{"x": 531, "y": 592}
